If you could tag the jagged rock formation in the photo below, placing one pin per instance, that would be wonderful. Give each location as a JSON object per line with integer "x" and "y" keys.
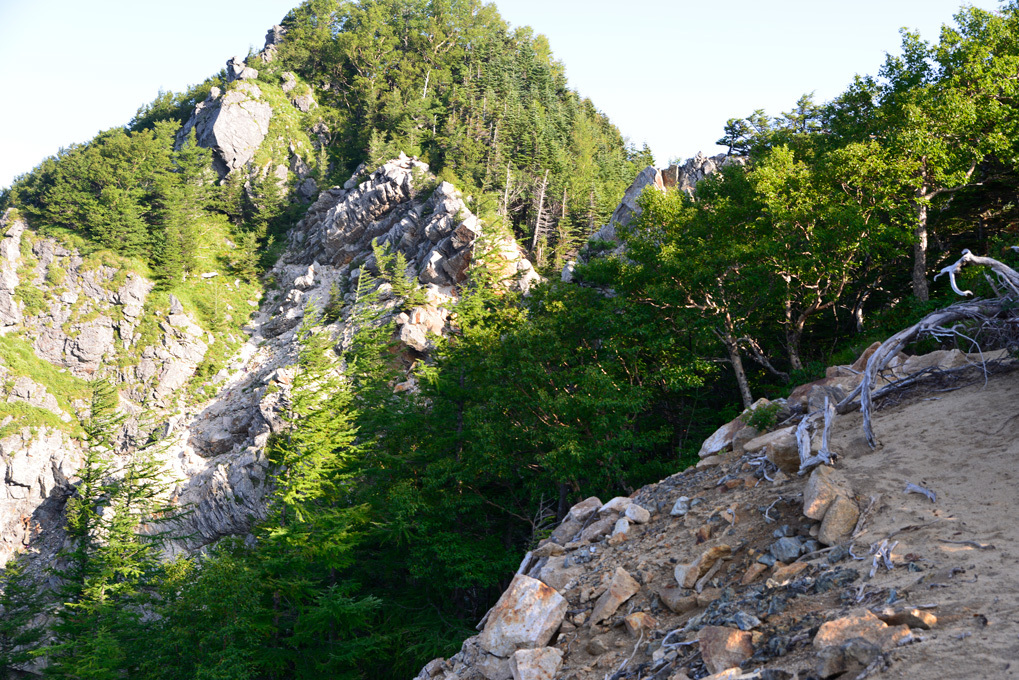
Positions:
{"x": 232, "y": 124}
{"x": 97, "y": 317}
{"x": 683, "y": 177}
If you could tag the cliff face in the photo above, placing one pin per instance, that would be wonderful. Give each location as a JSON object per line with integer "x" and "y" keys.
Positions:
{"x": 86, "y": 319}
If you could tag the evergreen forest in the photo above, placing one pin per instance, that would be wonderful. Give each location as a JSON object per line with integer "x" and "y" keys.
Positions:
{"x": 397, "y": 519}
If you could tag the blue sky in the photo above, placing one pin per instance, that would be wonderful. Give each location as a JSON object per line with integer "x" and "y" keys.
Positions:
{"x": 668, "y": 73}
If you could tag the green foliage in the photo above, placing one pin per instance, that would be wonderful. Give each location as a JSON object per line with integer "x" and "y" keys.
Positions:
{"x": 20, "y": 631}
{"x": 763, "y": 418}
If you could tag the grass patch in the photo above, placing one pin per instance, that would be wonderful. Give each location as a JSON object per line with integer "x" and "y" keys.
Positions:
{"x": 22, "y": 415}
{"x": 17, "y": 355}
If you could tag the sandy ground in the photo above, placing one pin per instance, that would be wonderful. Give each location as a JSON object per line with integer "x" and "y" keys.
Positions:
{"x": 964, "y": 446}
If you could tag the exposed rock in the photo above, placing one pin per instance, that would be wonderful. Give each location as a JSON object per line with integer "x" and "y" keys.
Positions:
{"x": 232, "y": 124}
{"x": 721, "y": 439}
{"x": 526, "y": 617}
{"x": 823, "y": 487}
{"x": 10, "y": 257}
{"x": 686, "y": 176}
{"x": 639, "y": 623}
{"x": 839, "y": 521}
{"x": 536, "y": 664}
{"x": 723, "y": 648}
{"x": 621, "y": 588}
{"x": 637, "y": 514}
{"x": 584, "y": 509}
{"x": 628, "y": 208}
{"x": 236, "y": 69}
{"x": 860, "y": 624}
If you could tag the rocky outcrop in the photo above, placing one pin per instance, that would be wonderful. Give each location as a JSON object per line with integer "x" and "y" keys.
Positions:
{"x": 232, "y": 123}
{"x": 683, "y": 177}
{"x": 10, "y": 255}
{"x": 37, "y": 469}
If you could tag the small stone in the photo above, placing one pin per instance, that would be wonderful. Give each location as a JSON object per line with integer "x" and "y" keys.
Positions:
{"x": 681, "y": 507}
{"x": 617, "y": 504}
{"x": 621, "y": 528}
{"x": 710, "y": 461}
{"x": 754, "y": 571}
{"x": 703, "y": 533}
{"x": 723, "y": 648}
{"x": 786, "y": 549}
{"x": 622, "y": 588}
{"x": 639, "y": 623}
{"x": 596, "y": 647}
{"x": 767, "y": 559}
{"x": 745, "y": 621}
{"x": 839, "y": 521}
{"x": 637, "y": 514}
{"x": 914, "y": 618}
{"x": 860, "y": 624}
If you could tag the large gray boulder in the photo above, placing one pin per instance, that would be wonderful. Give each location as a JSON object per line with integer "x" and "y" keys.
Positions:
{"x": 232, "y": 124}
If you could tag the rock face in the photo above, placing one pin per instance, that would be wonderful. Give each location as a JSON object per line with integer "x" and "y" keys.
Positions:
{"x": 232, "y": 123}
{"x": 685, "y": 177}
{"x": 10, "y": 256}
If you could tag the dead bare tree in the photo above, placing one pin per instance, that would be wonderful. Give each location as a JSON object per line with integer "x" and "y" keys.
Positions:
{"x": 943, "y": 322}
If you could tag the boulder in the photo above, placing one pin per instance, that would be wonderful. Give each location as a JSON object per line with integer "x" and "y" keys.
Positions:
{"x": 526, "y": 617}
{"x": 233, "y": 125}
{"x": 721, "y": 439}
{"x": 584, "y": 509}
{"x": 616, "y": 505}
{"x": 823, "y": 487}
{"x": 839, "y": 521}
{"x": 637, "y": 514}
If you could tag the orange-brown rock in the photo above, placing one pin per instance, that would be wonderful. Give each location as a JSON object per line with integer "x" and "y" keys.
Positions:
{"x": 861, "y": 624}
{"x": 724, "y": 648}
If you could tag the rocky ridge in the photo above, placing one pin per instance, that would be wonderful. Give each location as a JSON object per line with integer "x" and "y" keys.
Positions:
{"x": 101, "y": 320}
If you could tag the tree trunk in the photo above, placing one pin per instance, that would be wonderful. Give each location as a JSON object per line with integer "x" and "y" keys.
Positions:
{"x": 537, "y": 221}
{"x": 920, "y": 291}
{"x": 736, "y": 360}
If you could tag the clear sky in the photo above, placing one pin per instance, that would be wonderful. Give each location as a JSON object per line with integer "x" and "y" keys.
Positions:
{"x": 667, "y": 72}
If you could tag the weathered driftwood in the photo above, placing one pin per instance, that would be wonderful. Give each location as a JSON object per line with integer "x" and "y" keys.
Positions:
{"x": 804, "y": 438}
